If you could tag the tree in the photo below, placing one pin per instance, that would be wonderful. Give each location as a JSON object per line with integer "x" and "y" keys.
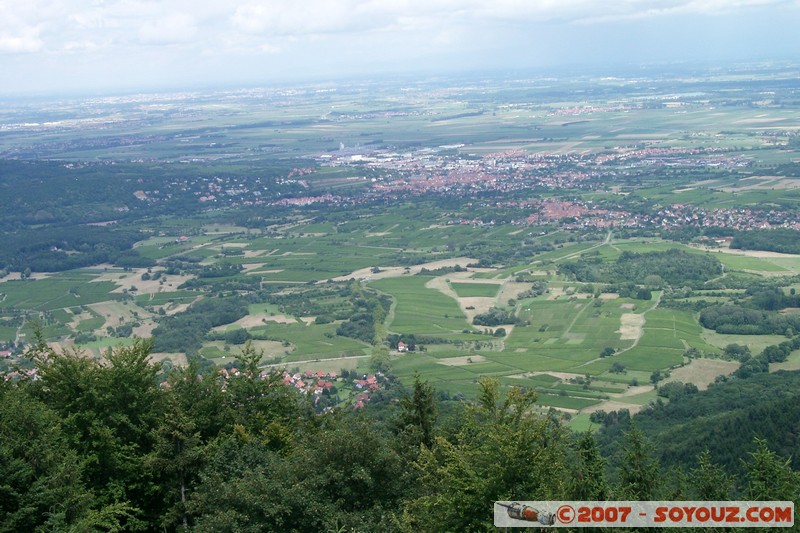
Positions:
{"x": 769, "y": 476}
{"x": 379, "y": 360}
{"x": 109, "y": 412}
{"x": 638, "y": 472}
{"x": 589, "y": 480}
{"x": 740, "y": 352}
{"x": 262, "y": 406}
{"x": 617, "y": 368}
{"x": 195, "y": 413}
{"x": 500, "y": 451}
{"x": 41, "y": 482}
{"x": 418, "y": 413}
{"x": 709, "y": 481}
{"x": 237, "y": 336}
{"x": 655, "y": 377}
{"x": 248, "y": 486}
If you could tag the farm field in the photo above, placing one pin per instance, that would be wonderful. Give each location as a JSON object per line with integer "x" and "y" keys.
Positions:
{"x": 480, "y": 223}
{"x": 557, "y": 342}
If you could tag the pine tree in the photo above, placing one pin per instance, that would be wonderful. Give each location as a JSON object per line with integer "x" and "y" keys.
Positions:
{"x": 769, "y": 476}
{"x": 502, "y": 451}
{"x": 709, "y": 481}
{"x": 589, "y": 481}
{"x": 419, "y": 413}
{"x": 639, "y": 471}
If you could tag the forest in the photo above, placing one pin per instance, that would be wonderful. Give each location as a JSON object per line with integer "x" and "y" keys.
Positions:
{"x": 120, "y": 446}
{"x": 746, "y": 321}
{"x": 783, "y": 240}
{"x": 673, "y": 267}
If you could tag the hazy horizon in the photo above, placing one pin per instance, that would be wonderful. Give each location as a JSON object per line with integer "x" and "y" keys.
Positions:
{"x": 48, "y": 48}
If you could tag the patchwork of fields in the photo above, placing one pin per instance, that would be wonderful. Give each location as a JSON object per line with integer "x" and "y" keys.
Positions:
{"x": 580, "y": 349}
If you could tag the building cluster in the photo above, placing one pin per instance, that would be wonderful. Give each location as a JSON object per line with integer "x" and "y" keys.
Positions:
{"x": 317, "y": 383}
{"x": 584, "y": 214}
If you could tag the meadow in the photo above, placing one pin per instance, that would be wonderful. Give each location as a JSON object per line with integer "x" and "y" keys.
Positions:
{"x": 553, "y": 341}
{"x": 560, "y": 336}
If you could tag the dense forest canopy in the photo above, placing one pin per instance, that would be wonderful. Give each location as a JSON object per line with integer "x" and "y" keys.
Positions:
{"x": 109, "y": 446}
{"x": 783, "y": 240}
{"x": 673, "y": 267}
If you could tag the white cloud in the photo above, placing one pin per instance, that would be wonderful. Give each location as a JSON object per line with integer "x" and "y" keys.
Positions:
{"x": 80, "y": 46}
{"x": 311, "y": 35}
{"x": 26, "y": 41}
{"x": 122, "y": 22}
{"x": 173, "y": 28}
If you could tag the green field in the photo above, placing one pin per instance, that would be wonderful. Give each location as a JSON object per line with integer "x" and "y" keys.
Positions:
{"x": 53, "y": 293}
{"x": 469, "y": 290}
{"x": 423, "y": 311}
{"x": 310, "y": 342}
{"x": 715, "y": 151}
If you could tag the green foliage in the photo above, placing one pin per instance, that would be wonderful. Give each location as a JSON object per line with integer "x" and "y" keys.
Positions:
{"x": 639, "y": 469}
{"x": 369, "y": 314}
{"x": 185, "y": 332}
{"x": 769, "y": 476}
{"x": 710, "y": 481}
{"x": 41, "y": 475}
{"x": 100, "y": 447}
{"x": 64, "y": 247}
{"x": 735, "y": 319}
{"x": 723, "y": 420}
{"x": 418, "y": 413}
{"x": 500, "y": 452}
{"x": 344, "y": 474}
{"x": 237, "y": 336}
{"x": 675, "y": 267}
{"x": 494, "y": 317}
{"x": 674, "y": 390}
{"x": 108, "y": 414}
{"x": 589, "y": 481}
{"x": 781, "y": 240}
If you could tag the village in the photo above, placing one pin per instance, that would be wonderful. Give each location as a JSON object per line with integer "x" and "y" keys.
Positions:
{"x": 327, "y": 390}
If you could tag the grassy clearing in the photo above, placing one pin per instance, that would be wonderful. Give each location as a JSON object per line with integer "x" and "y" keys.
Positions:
{"x": 792, "y": 363}
{"x": 423, "y": 311}
{"x": 566, "y": 402}
{"x": 639, "y": 399}
{"x": 475, "y": 290}
{"x": 702, "y": 372}
{"x": 743, "y": 262}
{"x": 309, "y": 342}
{"x": 53, "y": 293}
{"x": 91, "y": 324}
{"x": 100, "y": 346}
{"x": 581, "y": 423}
{"x": 756, "y": 343}
{"x": 164, "y": 298}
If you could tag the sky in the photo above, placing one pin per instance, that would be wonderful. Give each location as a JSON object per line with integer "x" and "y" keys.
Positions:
{"x": 96, "y": 46}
